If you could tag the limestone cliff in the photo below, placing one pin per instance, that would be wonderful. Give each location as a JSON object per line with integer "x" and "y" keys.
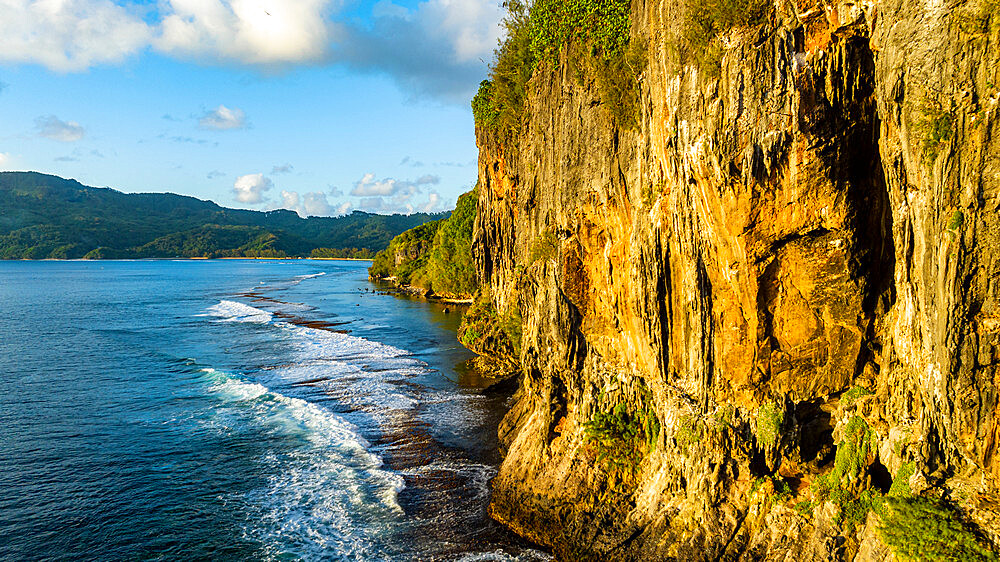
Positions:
{"x": 791, "y": 266}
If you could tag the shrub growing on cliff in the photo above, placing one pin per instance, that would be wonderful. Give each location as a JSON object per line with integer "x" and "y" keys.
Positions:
{"x": 623, "y": 436}
{"x": 927, "y": 530}
{"x": 770, "y": 418}
{"x": 602, "y": 24}
{"x": 842, "y": 485}
{"x": 853, "y": 452}
{"x": 900, "y": 487}
{"x": 544, "y": 247}
{"x": 957, "y": 220}
{"x": 852, "y": 395}
{"x": 704, "y": 21}
{"x": 499, "y": 105}
{"x": 484, "y": 108}
{"x": 618, "y": 83}
{"x": 486, "y": 332}
{"x": 933, "y": 126}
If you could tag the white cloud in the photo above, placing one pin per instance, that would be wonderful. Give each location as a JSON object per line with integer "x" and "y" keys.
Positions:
{"x": 251, "y": 187}
{"x": 289, "y": 199}
{"x": 51, "y": 127}
{"x": 436, "y": 47}
{"x": 471, "y": 26}
{"x": 439, "y": 48}
{"x": 69, "y": 35}
{"x": 369, "y": 186}
{"x": 223, "y": 118}
{"x": 246, "y": 31}
{"x": 390, "y": 195}
{"x": 344, "y": 208}
{"x": 433, "y": 203}
{"x": 312, "y": 204}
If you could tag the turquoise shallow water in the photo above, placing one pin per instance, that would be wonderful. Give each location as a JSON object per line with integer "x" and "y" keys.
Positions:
{"x": 237, "y": 410}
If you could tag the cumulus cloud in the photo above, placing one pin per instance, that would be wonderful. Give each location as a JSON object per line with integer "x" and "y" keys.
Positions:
{"x": 439, "y": 48}
{"x": 393, "y": 206}
{"x": 435, "y": 47}
{"x": 223, "y": 118}
{"x": 369, "y": 186}
{"x": 246, "y": 31}
{"x": 433, "y": 203}
{"x": 390, "y": 195}
{"x": 251, "y": 187}
{"x": 69, "y": 35}
{"x": 312, "y": 204}
{"x": 51, "y": 127}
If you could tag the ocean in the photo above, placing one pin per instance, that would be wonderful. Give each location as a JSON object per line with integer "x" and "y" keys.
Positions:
{"x": 238, "y": 410}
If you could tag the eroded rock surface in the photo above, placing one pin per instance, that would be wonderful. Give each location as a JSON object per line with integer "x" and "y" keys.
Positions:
{"x": 762, "y": 243}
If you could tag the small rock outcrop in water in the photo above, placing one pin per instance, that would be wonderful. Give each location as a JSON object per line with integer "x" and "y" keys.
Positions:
{"x": 757, "y": 318}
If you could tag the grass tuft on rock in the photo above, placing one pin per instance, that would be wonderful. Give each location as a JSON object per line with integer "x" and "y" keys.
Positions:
{"x": 622, "y": 436}
{"x": 770, "y": 418}
{"x": 921, "y": 529}
{"x": 704, "y": 21}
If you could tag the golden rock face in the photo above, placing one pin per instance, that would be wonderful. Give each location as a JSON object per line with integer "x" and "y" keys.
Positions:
{"x": 764, "y": 241}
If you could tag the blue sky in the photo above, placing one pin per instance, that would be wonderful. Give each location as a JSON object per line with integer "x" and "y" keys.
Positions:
{"x": 319, "y": 106}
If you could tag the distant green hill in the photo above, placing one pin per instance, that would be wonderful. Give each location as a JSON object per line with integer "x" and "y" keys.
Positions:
{"x": 43, "y": 216}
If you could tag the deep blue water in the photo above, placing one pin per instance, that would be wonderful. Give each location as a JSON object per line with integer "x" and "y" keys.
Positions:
{"x": 237, "y": 410}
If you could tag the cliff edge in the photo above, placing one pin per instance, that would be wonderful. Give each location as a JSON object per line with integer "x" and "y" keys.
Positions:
{"x": 753, "y": 256}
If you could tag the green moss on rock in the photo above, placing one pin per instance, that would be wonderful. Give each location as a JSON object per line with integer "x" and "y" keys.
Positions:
{"x": 921, "y": 529}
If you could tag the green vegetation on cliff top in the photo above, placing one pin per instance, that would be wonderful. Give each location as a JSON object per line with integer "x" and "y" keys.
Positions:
{"x": 43, "y": 216}
{"x": 593, "y": 36}
{"x": 436, "y": 256}
{"x": 536, "y": 36}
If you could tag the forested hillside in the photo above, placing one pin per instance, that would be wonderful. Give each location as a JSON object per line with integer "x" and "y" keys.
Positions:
{"x": 435, "y": 256}
{"x": 43, "y": 216}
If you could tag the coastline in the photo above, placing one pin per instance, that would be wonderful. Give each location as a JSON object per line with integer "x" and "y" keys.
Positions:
{"x": 184, "y": 258}
{"x": 417, "y": 292}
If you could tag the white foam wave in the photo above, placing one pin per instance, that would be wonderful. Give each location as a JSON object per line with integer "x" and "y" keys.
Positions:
{"x": 326, "y": 489}
{"x": 323, "y": 343}
{"x": 501, "y": 556}
{"x": 477, "y": 475}
{"x": 232, "y": 311}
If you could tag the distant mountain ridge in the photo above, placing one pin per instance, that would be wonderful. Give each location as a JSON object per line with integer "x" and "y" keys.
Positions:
{"x": 44, "y": 216}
